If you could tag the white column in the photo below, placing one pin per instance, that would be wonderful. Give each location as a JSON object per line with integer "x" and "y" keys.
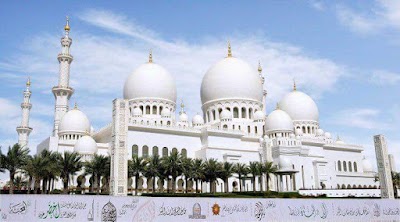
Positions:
{"x": 119, "y": 153}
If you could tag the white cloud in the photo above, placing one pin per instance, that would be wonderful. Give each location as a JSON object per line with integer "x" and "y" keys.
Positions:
{"x": 381, "y": 77}
{"x": 385, "y": 15}
{"x": 364, "y": 118}
{"x": 318, "y": 5}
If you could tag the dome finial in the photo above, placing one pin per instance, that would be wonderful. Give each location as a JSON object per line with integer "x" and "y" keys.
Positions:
{"x": 229, "y": 49}
{"x": 76, "y": 105}
{"x": 151, "y": 56}
{"x": 294, "y": 85}
{"x": 28, "y": 83}
{"x": 277, "y": 106}
{"x": 182, "y": 107}
{"x": 259, "y": 67}
{"x": 66, "y": 27}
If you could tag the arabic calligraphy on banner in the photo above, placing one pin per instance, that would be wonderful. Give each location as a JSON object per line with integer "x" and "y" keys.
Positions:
{"x": 109, "y": 208}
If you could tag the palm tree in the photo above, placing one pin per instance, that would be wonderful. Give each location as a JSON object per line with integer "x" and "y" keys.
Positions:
{"x": 269, "y": 168}
{"x": 212, "y": 170}
{"x": 14, "y": 160}
{"x": 106, "y": 173}
{"x": 95, "y": 167}
{"x": 198, "y": 172}
{"x": 254, "y": 169}
{"x": 260, "y": 166}
{"x": 69, "y": 164}
{"x": 19, "y": 182}
{"x": 241, "y": 169}
{"x": 226, "y": 172}
{"x": 396, "y": 182}
{"x": 136, "y": 166}
{"x": 36, "y": 166}
{"x": 51, "y": 169}
{"x": 172, "y": 167}
{"x": 187, "y": 170}
{"x": 152, "y": 169}
{"x": 29, "y": 170}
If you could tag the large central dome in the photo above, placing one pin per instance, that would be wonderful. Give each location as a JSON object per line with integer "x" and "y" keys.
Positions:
{"x": 231, "y": 78}
{"x": 150, "y": 80}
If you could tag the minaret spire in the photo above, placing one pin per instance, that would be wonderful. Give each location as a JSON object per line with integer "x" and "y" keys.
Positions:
{"x": 182, "y": 107}
{"x": 294, "y": 85}
{"x": 63, "y": 92}
{"x": 151, "y": 56}
{"x": 229, "y": 49}
{"x": 263, "y": 83}
{"x": 24, "y": 130}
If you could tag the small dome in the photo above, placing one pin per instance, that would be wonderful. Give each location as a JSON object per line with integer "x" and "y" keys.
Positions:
{"x": 339, "y": 141}
{"x": 137, "y": 112}
{"x": 74, "y": 121}
{"x": 183, "y": 117}
{"x": 285, "y": 163}
{"x": 320, "y": 132}
{"x": 226, "y": 114}
{"x": 328, "y": 135}
{"x": 299, "y": 106}
{"x": 238, "y": 78}
{"x": 165, "y": 113}
{"x": 259, "y": 115}
{"x": 150, "y": 80}
{"x": 367, "y": 166}
{"x": 198, "y": 120}
{"x": 279, "y": 120}
{"x": 85, "y": 145}
{"x": 298, "y": 132}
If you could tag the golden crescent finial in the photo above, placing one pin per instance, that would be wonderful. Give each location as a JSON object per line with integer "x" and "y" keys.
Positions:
{"x": 277, "y": 106}
{"x": 229, "y": 49}
{"x": 28, "y": 82}
{"x": 66, "y": 27}
{"x": 259, "y": 67}
{"x": 294, "y": 85}
{"x": 151, "y": 56}
{"x": 76, "y": 105}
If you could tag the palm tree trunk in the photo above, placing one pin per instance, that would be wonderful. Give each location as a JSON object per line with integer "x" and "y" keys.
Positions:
{"x": 201, "y": 186}
{"x": 65, "y": 185}
{"x": 254, "y": 184}
{"x": 186, "y": 184}
{"x": 136, "y": 183}
{"x": 173, "y": 184}
{"x": 44, "y": 185}
{"x": 29, "y": 184}
{"x": 154, "y": 184}
{"x": 12, "y": 174}
{"x": 267, "y": 181}
{"x": 197, "y": 186}
{"x": 261, "y": 182}
{"x": 98, "y": 184}
{"x": 226, "y": 185}
{"x": 240, "y": 183}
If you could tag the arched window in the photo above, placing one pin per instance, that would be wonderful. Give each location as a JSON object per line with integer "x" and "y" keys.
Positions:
{"x": 154, "y": 110}
{"x": 142, "y": 109}
{"x": 344, "y": 166}
{"x": 308, "y": 130}
{"x": 304, "y": 129}
{"x": 339, "y": 165}
{"x": 225, "y": 127}
{"x": 184, "y": 153}
{"x": 215, "y": 114}
{"x": 168, "y": 123}
{"x": 251, "y": 113}
{"x": 243, "y": 112}
{"x": 165, "y": 152}
{"x": 155, "y": 150}
{"x": 135, "y": 150}
{"x": 145, "y": 151}
{"x": 147, "y": 109}
{"x": 161, "y": 108}
{"x": 255, "y": 129}
{"x": 235, "y": 112}
{"x": 248, "y": 129}
{"x": 350, "y": 167}
{"x": 174, "y": 150}
{"x": 355, "y": 167}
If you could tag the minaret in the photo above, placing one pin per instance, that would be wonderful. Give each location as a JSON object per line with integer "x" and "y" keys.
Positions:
{"x": 63, "y": 92}
{"x": 264, "y": 90}
{"x": 24, "y": 130}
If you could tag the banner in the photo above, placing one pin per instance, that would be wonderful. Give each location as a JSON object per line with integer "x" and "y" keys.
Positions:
{"x": 109, "y": 208}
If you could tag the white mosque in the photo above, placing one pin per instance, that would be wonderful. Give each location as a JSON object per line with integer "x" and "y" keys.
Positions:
{"x": 233, "y": 127}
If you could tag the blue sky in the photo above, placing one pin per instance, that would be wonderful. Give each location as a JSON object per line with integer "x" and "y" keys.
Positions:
{"x": 345, "y": 54}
